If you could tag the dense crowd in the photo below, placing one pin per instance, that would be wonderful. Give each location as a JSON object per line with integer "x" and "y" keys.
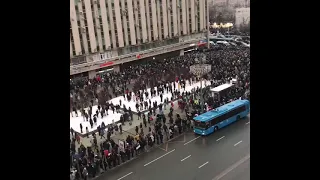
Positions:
{"x": 226, "y": 64}
{"x": 88, "y": 162}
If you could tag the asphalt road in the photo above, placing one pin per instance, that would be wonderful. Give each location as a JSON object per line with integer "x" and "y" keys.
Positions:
{"x": 224, "y": 155}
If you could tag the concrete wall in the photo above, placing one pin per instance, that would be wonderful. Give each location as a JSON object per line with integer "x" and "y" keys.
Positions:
{"x": 181, "y": 52}
{"x": 92, "y": 74}
{"x": 116, "y": 68}
{"x": 242, "y": 16}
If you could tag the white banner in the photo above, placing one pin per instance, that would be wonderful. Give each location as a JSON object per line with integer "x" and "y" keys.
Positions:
{"x": 121, "y": 145}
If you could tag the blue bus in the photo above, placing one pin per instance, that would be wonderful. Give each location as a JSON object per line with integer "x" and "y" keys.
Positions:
{"x": 220, "y": 117}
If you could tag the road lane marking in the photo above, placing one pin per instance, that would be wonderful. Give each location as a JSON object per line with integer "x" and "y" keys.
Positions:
{"x": 159, "y": 157}
{"x": 125, "y": 175}
{"x": 192, "y": 140}
{"x": 162, "y": 149}
{"x": 203, "y": 164}
{"x": 237, "y": 143}
{"x": 185, "y": 158}
{"x": 220, "y": 138}
{"x": 248, "y": 123}
{"x": 232, "y": 167}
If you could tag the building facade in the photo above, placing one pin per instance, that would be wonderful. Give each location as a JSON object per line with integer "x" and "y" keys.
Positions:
{"x": 230, "y": 3}
{"x": 242, "y": 17}
{"x": 119, "y": 30}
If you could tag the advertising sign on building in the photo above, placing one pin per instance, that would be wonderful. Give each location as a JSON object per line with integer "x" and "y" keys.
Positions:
{"x": 105, "y": 55}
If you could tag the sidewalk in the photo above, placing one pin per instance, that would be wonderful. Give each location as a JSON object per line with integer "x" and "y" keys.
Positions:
{"x": 130, "y": 130}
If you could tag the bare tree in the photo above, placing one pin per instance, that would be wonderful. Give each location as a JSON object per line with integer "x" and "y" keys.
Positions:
{"x": 213, "y": 13}
{"x": 245, "y": 26}
{"x": 221, "y": 14}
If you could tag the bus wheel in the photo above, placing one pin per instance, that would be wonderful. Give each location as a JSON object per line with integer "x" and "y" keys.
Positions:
{"x": 216, "y": 128}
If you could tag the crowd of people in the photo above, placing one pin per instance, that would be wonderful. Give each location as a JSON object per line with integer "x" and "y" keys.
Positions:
{"x": 226, "y": 64}
{"x": 88, "y": 162}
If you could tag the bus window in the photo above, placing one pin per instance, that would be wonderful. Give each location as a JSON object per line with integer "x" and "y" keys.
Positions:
{"x": 207, "y": 125}
{"x": 200, "y": 125}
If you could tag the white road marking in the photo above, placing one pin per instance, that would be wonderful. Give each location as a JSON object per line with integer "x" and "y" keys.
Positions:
{"x": 159, "y": 157}
{"x": 248, "y": 122}
{"x": 203, "y": 164}
{"x": 192, "y": 140}
{"x": 232, "y": 167}
{"x": 125, "y": 175}
{"x": 238, "y": 143}
{"x": 185, "y": 158}
{"x": 220, "y": 138}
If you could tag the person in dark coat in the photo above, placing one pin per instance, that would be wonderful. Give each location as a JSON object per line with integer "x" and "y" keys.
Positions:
{"x": 91, "y": 123}
{"x": 144, "y": 120}
{"x": 86, "y": 116}
{"x": 87, "y": 131}
{"x": 97, "y": 113}
{"x": 75, "y": 111}
{"x": 95, "y": 119}
{"x": 102, "y": 133}
{"x": 122, "y": 119}
{"x": 90, "y": 111}
{"x": 101, "y": 112}
{"x": 112, "y": 107}
{"x": 108, "y": 135}
{"x": 139, "y": 115}
{"x": 120, "y": 129}
{"x": 81, "y": 128}
{"x": 99, "y": 130}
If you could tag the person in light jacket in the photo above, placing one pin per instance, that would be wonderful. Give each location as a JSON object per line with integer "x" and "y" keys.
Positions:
{"x": 85, "y": 174}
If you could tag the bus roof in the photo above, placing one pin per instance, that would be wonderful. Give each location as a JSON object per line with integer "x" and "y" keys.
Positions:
{"x": 220, "y": 110}
{"x": 221, "y": 87}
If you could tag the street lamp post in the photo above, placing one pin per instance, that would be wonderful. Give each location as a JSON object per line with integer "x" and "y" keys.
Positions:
{"x": 208, "y": 25}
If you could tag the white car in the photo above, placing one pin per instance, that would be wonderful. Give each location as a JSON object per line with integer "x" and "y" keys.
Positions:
{"x": 225, "y": 43}
{"x": 245, "y": 44}
{"x": 212, "y": 43}
{"x": 233, "y": 44}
